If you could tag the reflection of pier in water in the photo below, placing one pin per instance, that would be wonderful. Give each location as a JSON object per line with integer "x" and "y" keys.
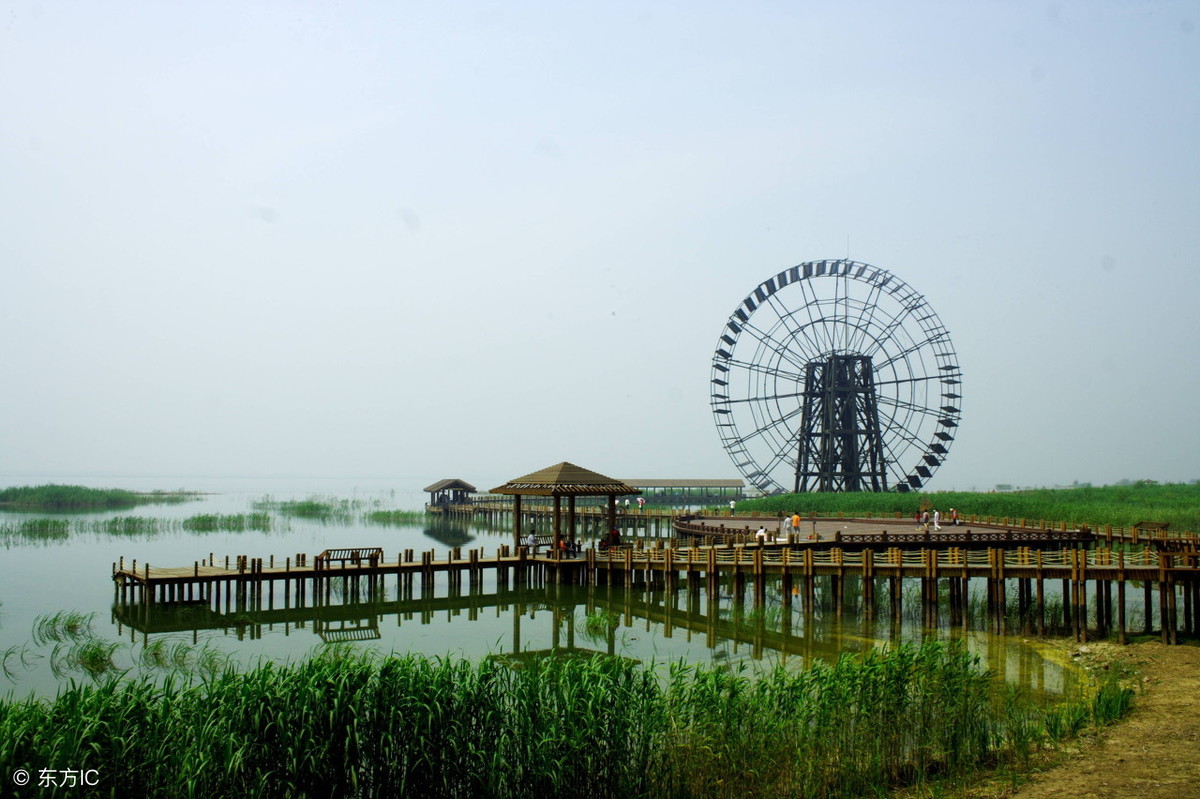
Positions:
{"x": 726, "y": 624}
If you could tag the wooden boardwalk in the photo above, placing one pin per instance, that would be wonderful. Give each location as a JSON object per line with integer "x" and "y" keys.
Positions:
{"x": 1173, "y": 579}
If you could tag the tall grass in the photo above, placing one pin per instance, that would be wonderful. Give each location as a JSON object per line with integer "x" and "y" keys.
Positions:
{"x": 342, "y": 724}
{"x": 55, "y": 497}
{"x": 325, "y": 509}
{"x": 1176, "y": 503}
{"x": 234, "y": 522}
{"x": 66, "y": 625}
{"x": 50, "y": 530}
{"x": 396, "y": 516}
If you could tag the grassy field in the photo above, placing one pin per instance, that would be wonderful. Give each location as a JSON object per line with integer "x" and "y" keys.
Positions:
{"x": 1176, "y": 503}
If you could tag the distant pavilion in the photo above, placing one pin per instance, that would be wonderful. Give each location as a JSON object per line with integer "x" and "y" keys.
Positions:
{"x": 691, "y": 491}
{"x": 450, "y": 492}
{"x": 563, "y": 480}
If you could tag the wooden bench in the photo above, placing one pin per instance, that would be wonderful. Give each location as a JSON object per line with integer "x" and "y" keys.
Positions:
{"x": 362, "y": 556}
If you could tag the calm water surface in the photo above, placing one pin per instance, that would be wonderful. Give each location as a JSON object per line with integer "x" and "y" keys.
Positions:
{"x": 41, "y": 578}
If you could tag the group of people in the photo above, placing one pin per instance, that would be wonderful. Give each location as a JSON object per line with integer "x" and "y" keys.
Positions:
{"x": 567, "y": 547}
{"x": 924, "y": 519}
{"x": 572, "y": 548}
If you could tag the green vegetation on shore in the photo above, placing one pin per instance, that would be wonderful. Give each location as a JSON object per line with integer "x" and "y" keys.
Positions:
{"x": 344, "y": 724}
{"x": 53, "y": 497}
{"x": 1176, "y": 503}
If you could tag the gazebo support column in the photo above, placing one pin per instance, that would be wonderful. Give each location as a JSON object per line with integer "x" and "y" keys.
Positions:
{"x": 571, "y": 517}
{"x": 612, "y": 514}
{"x": 557, "y": 515}
{"x": 516, "y": 522}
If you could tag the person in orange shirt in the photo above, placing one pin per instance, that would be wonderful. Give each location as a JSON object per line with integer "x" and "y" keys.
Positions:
{"x": 795, "y": 522}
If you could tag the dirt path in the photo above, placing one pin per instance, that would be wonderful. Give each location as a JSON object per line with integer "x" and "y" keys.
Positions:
{"x": 1155, "y": 753}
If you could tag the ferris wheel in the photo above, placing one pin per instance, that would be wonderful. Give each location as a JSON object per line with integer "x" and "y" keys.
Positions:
{"x": 835, "y": 376}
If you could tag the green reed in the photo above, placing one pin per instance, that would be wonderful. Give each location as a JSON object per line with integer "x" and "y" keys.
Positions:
{"x": 50, "y": 529}
{"x": 66, "y": 625}
{"x": 166, "y": 655}
{"x": 395, "y": 516}
{"x": 343, "y": 724}
{"x": 597, "y": 626}
{"x": 90, "y": 656}
{"x": 1176, "y": 503}
{"x": 325, "y": 509}
{"x": 231, "y": 522}
{"x": 55, "y": 497}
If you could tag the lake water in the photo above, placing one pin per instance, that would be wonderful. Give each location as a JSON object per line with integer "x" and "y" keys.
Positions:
{"x": 41, "y": 578}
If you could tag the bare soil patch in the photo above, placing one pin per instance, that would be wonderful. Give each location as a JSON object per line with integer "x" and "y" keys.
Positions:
{"x": 1154, "y": 753}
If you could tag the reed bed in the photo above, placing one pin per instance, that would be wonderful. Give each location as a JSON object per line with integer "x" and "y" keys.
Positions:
{"x": 332, "y": 510}
{"x": 52, "y": 530}
{"x": 346, "y": 724}
{"x": 163, "y": 654}
{"x": 1176, "y": 503}
{"x": 56, "y": 497}
{"x": 66, "y": 625}
{"x": 395, "y": 517}
{"x": 228, "y": 522}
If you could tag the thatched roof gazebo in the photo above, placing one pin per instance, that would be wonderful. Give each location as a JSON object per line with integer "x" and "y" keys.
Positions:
{"x": 563, "y": 480}
{"x": 449, "y": 492}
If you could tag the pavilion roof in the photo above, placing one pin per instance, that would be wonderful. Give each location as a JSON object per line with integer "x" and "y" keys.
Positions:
{"x": 564, "y": 479}
{"x": 452, "y": 483}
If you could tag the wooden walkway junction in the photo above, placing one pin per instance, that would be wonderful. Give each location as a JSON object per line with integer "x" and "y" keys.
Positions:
{"x": 1095, "y": 583}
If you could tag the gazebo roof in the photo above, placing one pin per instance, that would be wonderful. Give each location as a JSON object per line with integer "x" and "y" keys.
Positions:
{"x": 453, "y": 483}
{"x": 564, "y": 479}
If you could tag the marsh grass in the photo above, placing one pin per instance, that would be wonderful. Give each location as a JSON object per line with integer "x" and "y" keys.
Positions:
{"x": 17, "y": 658}
{"x": 51, "y": 529}
{"x": 599, "y": 625}
{"x": 395, "y": 516}
{"x": 1177, "y": 503}
{"x": 342, "y": 723}
{"x": 331, "y": 510}
{"x": 163, "y": 654}
{"x": 66, "y": 625}
{"x": 91, "y": 656}
{"x": 233, "y": 523}
{"x": 55, "y": 497}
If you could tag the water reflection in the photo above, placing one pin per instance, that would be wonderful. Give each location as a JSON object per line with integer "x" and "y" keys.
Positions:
{"x": 639, "y": 622}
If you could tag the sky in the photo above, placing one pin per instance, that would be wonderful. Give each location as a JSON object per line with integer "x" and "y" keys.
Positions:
{"x": 425, "y": 240}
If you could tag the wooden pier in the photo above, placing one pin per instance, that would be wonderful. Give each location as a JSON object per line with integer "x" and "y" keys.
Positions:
{"x": 1169, "y": 583}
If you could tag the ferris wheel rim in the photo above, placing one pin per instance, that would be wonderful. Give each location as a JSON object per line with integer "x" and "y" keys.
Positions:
{"x": 924, "y": 366}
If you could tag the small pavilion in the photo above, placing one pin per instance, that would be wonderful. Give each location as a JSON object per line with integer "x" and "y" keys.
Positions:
{"x": 563, "y": 480}
{"x": 450, "y": 492}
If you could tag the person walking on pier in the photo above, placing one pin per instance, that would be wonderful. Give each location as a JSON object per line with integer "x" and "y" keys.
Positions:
{"x": 796, "y": 523}
{"x": 761, "y": 535}
{"x": 531, "y": 542}
{"x": 954, "y": 517}
{"x": 925, "y": 520}
{"x": 937, "y": 519}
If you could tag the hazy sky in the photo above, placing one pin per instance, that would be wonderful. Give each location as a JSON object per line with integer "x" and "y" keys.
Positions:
{"x": 430, "y": 240}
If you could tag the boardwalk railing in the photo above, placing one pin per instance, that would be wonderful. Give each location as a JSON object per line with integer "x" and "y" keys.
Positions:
{"x": 1173, "y": 577}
